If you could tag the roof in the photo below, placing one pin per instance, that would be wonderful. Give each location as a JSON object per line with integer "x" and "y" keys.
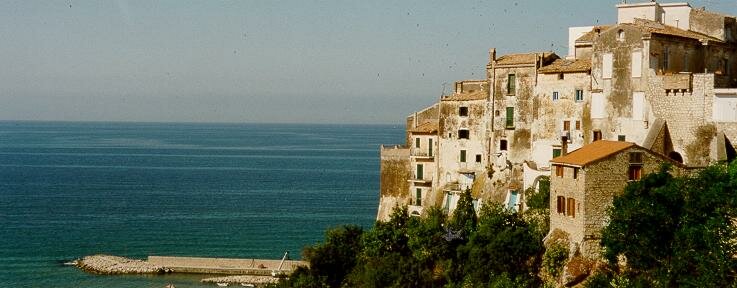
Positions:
{"x": 589, "y": 36}
{"x": 476, "y": 95}
{"x": 590, "y": 153}
{"x": 563, "y": 65}
{"x": 521, "y": 58}
{"x": 427, "y": 127}
{"x": 662, "y": 29}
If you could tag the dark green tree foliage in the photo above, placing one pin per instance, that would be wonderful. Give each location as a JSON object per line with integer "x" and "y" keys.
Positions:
{"x": 677, "y": 231}
{"x": 331, "y": 261}
{"x": 541, "y": 198}
{"x": 504, "y": 244}
{"x": 464, "y": 217}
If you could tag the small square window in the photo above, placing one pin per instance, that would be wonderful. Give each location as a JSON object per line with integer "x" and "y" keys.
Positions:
{"x": 561, "y": 76}
{"x": 578, "y": 125}
{"x": 566, "y": 125}
{"x": 463, "y": 111}
{"x": 478, "y": 158}
{"x": 503, "y": 145}
{"x": 556, "y": 152}
{"x": 636, "y": 158}
{"x": 620, "y": 138}
{"x": 597, "y": 135}
{"x": 555, "y": 95}
{"x": 463, "y": 134}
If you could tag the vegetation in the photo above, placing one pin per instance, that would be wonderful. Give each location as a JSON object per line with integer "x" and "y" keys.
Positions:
{"x": 664, "y": 231}
{"x": 668, "y": 231}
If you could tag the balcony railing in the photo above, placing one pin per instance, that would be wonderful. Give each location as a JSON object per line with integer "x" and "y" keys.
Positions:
{"x": 425, "y": 179}
{"x": 420, "y": 153}
{"x": 680, "y": 81}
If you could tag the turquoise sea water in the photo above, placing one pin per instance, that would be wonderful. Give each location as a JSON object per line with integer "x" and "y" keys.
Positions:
{"x": 138, "y": 189}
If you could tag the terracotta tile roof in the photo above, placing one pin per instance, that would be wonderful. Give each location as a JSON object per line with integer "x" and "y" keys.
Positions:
{"x": 563, "y": 65}
{"x": 590, "y": 153}
{"x": 476, "y": 95}
{"x": 427, "y": 127}
{"x": 521, "y": 58}
{"x": 589, "y": 36}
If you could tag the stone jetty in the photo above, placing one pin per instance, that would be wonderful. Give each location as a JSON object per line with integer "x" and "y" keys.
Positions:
{"x": 108, "y": 264}
{"x": 242, "y": 280}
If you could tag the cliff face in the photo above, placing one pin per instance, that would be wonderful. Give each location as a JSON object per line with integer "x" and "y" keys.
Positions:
{"x": 395, "y": 171}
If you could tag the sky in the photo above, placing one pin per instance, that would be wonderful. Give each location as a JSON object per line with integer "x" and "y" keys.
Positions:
{"x": 265, "y": 61}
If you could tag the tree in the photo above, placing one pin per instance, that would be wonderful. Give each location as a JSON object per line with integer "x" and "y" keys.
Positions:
{"x": 464, "y": 216}
{"x": 504, "y": 244}
{"x": 676, "y": 231}
{"x": 541, "y": 198}
{"x": 331, "y": 261}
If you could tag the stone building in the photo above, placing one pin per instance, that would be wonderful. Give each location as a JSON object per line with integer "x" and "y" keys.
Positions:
{"x": 584, "y": 183}
{"x": 663, "y": 77}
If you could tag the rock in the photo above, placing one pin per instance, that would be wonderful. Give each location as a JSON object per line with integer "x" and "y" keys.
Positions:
{"x": 107, "y": 264}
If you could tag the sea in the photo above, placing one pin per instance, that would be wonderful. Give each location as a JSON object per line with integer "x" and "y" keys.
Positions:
{"x": 70, "y": 189}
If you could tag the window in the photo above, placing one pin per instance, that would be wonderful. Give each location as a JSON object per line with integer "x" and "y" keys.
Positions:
{"x": 571, "y": 207}
{"x": 419, "y": 172}
{"x": 597, "y": 135}
{"x": 510, "y": 117}
{"x": 578, "y": 125}
{"x": 463, "y": 111}
{"x": 620, "y": 138}
{"x": 556, "y": 152}
{"x": 598, "y": 104}
{"x": 463, "y": 134}
{"x": 429, "y": 147}
{"x": 478, "y": 158}
{"x": 606, "y": 70}
{"x": 725, "y": 67}
{"x": 463, "y": 156}
{"x": 418, "y": 197}
{"x": 579, "y": 95}
{"x": 555, "y": 95}
{"x": 561, "y": 76}
{"x": 513, "y": 200}
{"x": 666, "y": 58}
{"x": 636, "y": 64}
{"x": 558, "y": 170}
{"x": 620, "y": 35}
{"x": 635, "y": 157}
{"x": 686, "y": 67}
{"x": 503, "y": 145}
{"x": 638, "y": 105}
{"x": 511, "y": 84}
{"x": 417, "y": 142}
{"x": 575, "y": 173}
{"x": 635, "y": 172}
{"x": 566, "y": 125}
{"x": 561, "y": 205}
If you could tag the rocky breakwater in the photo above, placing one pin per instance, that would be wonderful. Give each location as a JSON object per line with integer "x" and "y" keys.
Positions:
{"x": 107, "y": 264}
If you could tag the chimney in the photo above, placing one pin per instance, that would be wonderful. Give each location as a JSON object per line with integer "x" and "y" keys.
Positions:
{"x": 492, "y": 55}
{"x": 563, "y": 145}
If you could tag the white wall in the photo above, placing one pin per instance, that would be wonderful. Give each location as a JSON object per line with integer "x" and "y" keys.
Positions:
{"x": 573, "y": 34}
{"x": 677, "y": 14}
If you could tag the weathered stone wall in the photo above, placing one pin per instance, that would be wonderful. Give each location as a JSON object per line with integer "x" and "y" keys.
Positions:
{"x": 450, "y": 145}
{"x": 708, "y": 23}
{"x": 394, "y": 173}
{"x": 605, "y": 180}
{"x": 549, "y": 114}
{"x": 429, "y": 114}
{"x": 568, "y": 187}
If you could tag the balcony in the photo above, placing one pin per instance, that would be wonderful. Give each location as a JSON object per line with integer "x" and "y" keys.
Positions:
{"x": 414, "y": 210}
{"x": 420, "y": 180}
{"x": 421, "y": 154}
{"x": 680, "y": 82}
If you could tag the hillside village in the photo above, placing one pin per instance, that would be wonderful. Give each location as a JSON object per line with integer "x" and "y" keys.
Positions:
{"x": 660, "y": 85}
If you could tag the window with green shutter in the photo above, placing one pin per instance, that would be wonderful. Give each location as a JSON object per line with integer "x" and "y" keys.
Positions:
{"x": 463, "y": 156}
{"x": 511, "y": 84}
{"x": 510, "y": 117}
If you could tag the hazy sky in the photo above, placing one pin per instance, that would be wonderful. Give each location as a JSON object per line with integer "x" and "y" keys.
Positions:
{"x": 264, "y": 61}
